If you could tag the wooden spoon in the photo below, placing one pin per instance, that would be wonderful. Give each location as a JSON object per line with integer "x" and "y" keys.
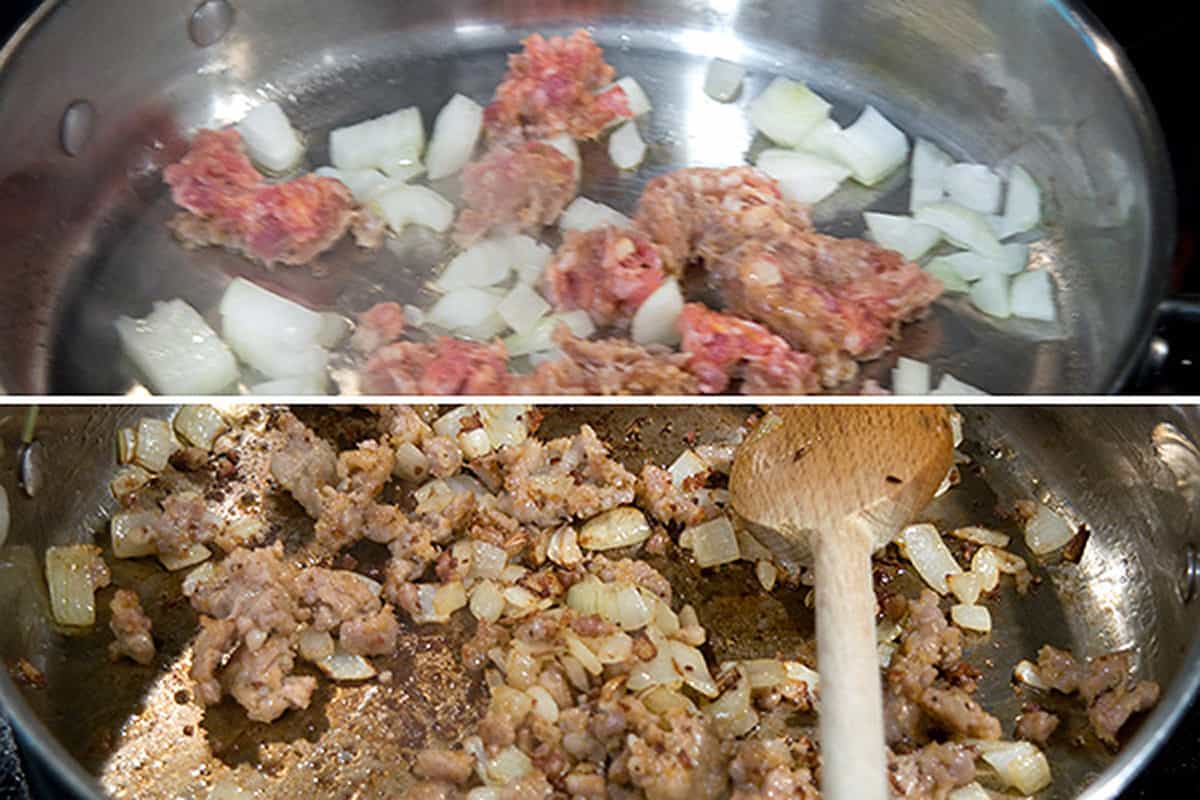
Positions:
{"x": 828, "y": 486}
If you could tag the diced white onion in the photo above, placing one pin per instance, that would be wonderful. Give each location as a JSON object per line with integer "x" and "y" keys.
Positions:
{"x": 274, "y": 335}
{"x": 971, "y": 266}
{"x": 71, "y": 577}
{"x": 522, "y": 308}
{"x": 787, "y": 111}
{"x": 731, "y": 713}
{"x": 962, "y": 226}
{"x": 767, "y": 574}
{"x": 126, "y": 444}
{"x": 690, "y": 665}
{"x": 622, "y": 526}
{"x": 978, "y": 535}
{"x": 195, "y": 554}
{"x": 176, "y": 351}
{"x": 1023, "y": 206}
{"x": 362, "y": 183}
{"x": 948, "y": 275}
{"x": 448, "y": 598}
{"x": 992, "y": 295}
{"x": 1033, "y": 296}
{"x": 544, "y": 704}
{"x": 1046, "y": 531}
{"x": 463, "y": 309}
{"x": 971, "y": 617}
{"x": 455, "y": 134}
{"x": 297, "y": 386}
{"x": 923, "y": 546}
{"x": 985, "y": 564}
{"x": 528, "y": 257}
{"x": 197, "y": 578}
{"x": 950, "y": 385}
{"x": 415, "y": 205}
{"x": 872, "y": 147}
{"x": 631, "y": 608}
{"x": 803, "y": 177}
{"x": 803, "y": 675}
{"x": 343, "y": 666}
{"x": 657, "y": 319}
{"x": 563, "y": 548}
{"x": 381, "y": 143}
{"x": 714, "y": 543}
{"x": 401, "y": 173}
{"x": 581, "y": 653}
{"x": 974, "y": 186}
{"x": 316, "y": 645}
{"x": 636, "y": 97}
{"x": 155, "y": 444}
{"x": 566, "y": 144}
{"x": 929, "y": 165}
{"x": 506, "y": 424}
{"x": 626, "y": 147}
{"x": 200, "y": 425}
{"x": 585, "y": 215}
{"x": 822, "y": 140}
{"x": 487, "y": 602}
{"x": 723, "y": 80}
{"x": 972, "y": 791}
{"x": 1019, "y": 764}
{"x": 489, "y": 560}
{"x": 1026, "y": 672}
{"x": 271, "y": 141}
{"x": 689, "y": 464}
{"x": 485, "y": 263}
{"x": 905, "y": 235}
{"x": 910, "y": 377}
{"x": 132, "y": 534}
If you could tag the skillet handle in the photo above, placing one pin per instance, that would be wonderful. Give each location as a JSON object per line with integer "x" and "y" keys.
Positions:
{"x": 1171, "y": 363}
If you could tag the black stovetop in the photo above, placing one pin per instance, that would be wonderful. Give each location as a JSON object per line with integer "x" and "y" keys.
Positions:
{"x": 1158, "y": 41}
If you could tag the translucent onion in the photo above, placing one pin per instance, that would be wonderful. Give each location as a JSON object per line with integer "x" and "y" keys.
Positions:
{"x": 714, "y": 542}
{"x": 582, "y": 653}
{"x": 411, "y": 463}
{"x": 971, "y": 617}
{"x": 966, "y": 586}
{"x": 923, "y": 546}
{"x": 966, "y": 228}
{"x": 1026, "y": 672}
{"x": 661, "y": 700}
{"x": 613, "y": 649}
{"x": 508, "y": 766}
{"x": 623, "y": 526}
{"x": 406, "y": 205}
{"x": 71, "y": 575}
{"x": 1033, "y": 296}
{"x": 763, "y": 673}
{"x": 731, "y": 714}
{"x": 787, "y": 111}
{"x": 177, "y": 351}
{"x": 767, "y": 574}
{"x": 132, "y": 533}
{"x": 978, "y": 535}
{"x": 723, "y": 80}
{"x": 544, "y": 704}
{"x": 689, "y": 464}
{"x": 316, "y": 645}
{"x": 195, "y": 554}
{"x": 972, "y": 791}
{"x": 689, "y": 662}
{"x": 1019, "y": 764}
{"x": 563, "y": 548}
{"x": 985, "y": 564}
{"x": 200, "y": 425}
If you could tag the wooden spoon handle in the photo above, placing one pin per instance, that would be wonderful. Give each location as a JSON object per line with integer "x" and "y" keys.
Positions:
{"x": 853, "y": 764}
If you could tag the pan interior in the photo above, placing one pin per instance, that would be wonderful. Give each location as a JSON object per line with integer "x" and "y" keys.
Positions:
{"x": 141, "y": 733}
{"x": 973, "y": 82}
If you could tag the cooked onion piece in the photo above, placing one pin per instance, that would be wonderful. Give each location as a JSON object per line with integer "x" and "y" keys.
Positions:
{"x": 1046, "y": 531}
{"x": 1019, "y": 764}
{"x": 541, "y": 337}
{"x": 962, "y": 226}
{"x": 200, "y": 425}
{"x": 73, "y": 574}
{"x": 992, "y": 294}
{"x": 271, "y": 141}
{"x": 522, "y": 308}
{"x": 154, "y": 444}
{"x": 464, "y": 309}
{"x": 1026, "y": 672}
{"x": 1023, "y": 206}
{"x": 455, "y": 133}
{"x": 382, "y": 143}
{"x": 723, "y": 80}
{"x": 971, "y": 617}
{"x": 714, "y": 542}
{"x": 923, "y": 546}
{"x": 272, "y": 334}
{"x": 364, "y": 184}
{"x": 978, "y": 535}
{"x": 176, "y": 351}
{"x": 787, "y": 111}
{"x": 622, "y": 526}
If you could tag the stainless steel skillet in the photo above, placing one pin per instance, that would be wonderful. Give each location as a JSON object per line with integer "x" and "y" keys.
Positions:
{"x": 95, "y": 98}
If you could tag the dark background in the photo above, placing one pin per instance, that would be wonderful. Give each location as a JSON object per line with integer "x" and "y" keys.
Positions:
{"x": 1159, "y": 37}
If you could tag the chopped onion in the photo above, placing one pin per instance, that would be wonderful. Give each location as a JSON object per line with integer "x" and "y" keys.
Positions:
{"x": 343, "y": 666}
{"x": 126, "y": 444}
{"x": 474, "y": 443}
{"x": 625, "y": 146}
{"x": 297, "y": 386}
{"x": 566, "y": 144}
{"x": 1033, "y": 296}
{"x": 272, "y": 334}
{"x": 155, "y": 444}
{"x": 585, "y": 215}
{"x": 1026, "y": 672}
{"x": 689, "y": 464}
{"x": 488, "y": 560}
{"x": 71, "y": 575}
{"x": 463, "y": 309}
{"x": 316, "y": 645}
{"x": 929, "y": 165}
{"x": 731, "y": 713}
{"x": 822, "y": 140}
{"x": 971, "y": 618}
{"x": 714, "y": 542}
{"x": 581, "y": 653}
{"x": 522, "y": 308}
{"x": 657, "y": 319}
{"x": 362, "y": 183}
{"x": 416, "y": 205}
{"x": 689, "y": 663}
{"x": 992, "y": 295}
{"x": 974, "y": 186}
{"x": 487, "y": 602}
{"x": 923, "y": 546}
{"x": 1046, "y": 531}
{"x": 528, "y": 257}
{"x": 383, "y": 143}
{"x": 910, "y": 377}
{"x": 196, "y": 578}
{"x": 622, "y": 526}
{"x": 948, "y": 275}
{"x": 1019, "y": 764}
{"x": 486, "y": 263}
{"x": 1023, "y": 206}
{"x": 455, "y": 134}
{"x": 767, "y": 573}
{"x": 128, "y": 480}
{"x": 750, "y": 548}
{"x": 271, "y": 141}
{"x": 541, "y": 337}
{"x": 563, "y": 548}
{"x": 665, "y": 619}
{"x": 661, "y": 700}
{"x": 723, "y": 80}
{"x": 132, "y": 534}
{"x": 5, "y": 516}
{"x": 200, "y": 425}
{"x": 985, "y": 564}
{"x": 971, "y": 266}
{"x": 965, "y": 586}
{"x": 636, "y": 97}
{"x": 905, "y": 235}
{"x": 803, "y": 177}
{"x": 544, "y": 704}
{"x": 506, "y": 424}
{"x": 176, "y": 350}
{"x": 872, "y": 147}
{"x": 631, "y": 609}
{"x": 787, "y": 111}
{"x": 972, "y": 791}
{"x": 799, "y": 673}
{"x": 448, "y": 598}
{"x": 951, "y": 385}
{"x": 962, "y": 226}
{"x": 195, "y": 554}
{"x": 978, "y": 535}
